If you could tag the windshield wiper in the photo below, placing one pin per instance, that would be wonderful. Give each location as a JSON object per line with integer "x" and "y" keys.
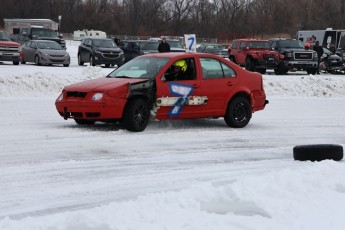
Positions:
{"x": 122, "y": 77}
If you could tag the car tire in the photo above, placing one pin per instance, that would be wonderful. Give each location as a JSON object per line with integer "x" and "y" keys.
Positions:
{"x": 37, "y": 60}
{"x": 107, "y": 65}
{"x": 281, "y": 70}
{"x": 318, "y": 152}
{"x": 16, "y": 63}
{"x": 238, "y": 113}
{"x": 136, "y": 115}
{"x": 249, "y": 65}
{"x": 23, "y": 62}
{"x": 311, "y": 71}
{"x": 80, "y": 62}
{"x": 92, "y": 61}
{"x": 65, "y": 65}
{"x": 84, "y": 122}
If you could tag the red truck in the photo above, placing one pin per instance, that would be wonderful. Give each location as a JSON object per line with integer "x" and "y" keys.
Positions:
{"x": 254, "y": 55}
{"x": 9, "y": 50}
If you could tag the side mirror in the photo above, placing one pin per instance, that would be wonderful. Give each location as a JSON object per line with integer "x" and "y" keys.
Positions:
{"x": 60, "y": 36}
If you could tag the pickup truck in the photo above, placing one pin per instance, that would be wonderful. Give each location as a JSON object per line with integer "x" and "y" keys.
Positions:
{"x": 9, "y": 50}
{"x": 38, "y": 33}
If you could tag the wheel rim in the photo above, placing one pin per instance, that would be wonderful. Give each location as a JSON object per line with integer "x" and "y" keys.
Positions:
{"x": 140, "y": 116}
{"x": 240, "y": 112}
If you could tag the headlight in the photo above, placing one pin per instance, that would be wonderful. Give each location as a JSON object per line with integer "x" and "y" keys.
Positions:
{"x": 289, "y": 54}
{"x": 60, "y": 98}
{"x": 43, "y": 53}
{"x": 97, "y": 96}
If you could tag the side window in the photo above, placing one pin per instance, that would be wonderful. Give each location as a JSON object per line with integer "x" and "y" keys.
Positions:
{"x": 183, "y": 69}
{"x": 228, "y": 71}
{"x": 28, "y": 44}
{"x": 235, "y": 45}
{"x": 274, "y": 44}
{"x": 243, "y": 45}
{"x": 33, "y": 45}
{"x": 211, "y": 68}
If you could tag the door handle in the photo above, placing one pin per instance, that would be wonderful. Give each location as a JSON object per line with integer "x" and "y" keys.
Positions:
{"x": 196, "y": 86}
{"x": 229, "y": 83}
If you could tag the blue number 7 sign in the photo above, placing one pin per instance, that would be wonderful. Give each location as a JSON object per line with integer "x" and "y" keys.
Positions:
{"x": 190, "y": 41}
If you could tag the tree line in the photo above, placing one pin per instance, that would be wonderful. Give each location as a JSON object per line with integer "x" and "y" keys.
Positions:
{"x": 224, "y": 19}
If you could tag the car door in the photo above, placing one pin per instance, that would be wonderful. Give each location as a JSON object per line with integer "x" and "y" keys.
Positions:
{"x": 180, "y": 98}
{"x": 32, "y": 51}
{"x": 242, "y": 52}
{"x": 217, "y": 82}
{"x": 25, "y": 49}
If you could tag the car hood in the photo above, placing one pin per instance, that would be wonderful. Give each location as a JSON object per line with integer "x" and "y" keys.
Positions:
{"x": 54, "y": 52}
{"x": 9, "y": 43}
{"x": 102, "y": 84}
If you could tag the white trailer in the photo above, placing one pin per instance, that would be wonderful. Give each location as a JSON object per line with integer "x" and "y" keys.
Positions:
{"x": 79, "y": 35}
{"x": 327, "y": 38}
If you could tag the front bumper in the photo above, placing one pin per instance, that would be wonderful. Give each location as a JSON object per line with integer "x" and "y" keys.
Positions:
{"x": 300, "y": 64}
{"x": 9, "y": 56}
{"x": 90, "y": 110}
{"x": 47, "y": 60}
{"x": 100, "y": 58}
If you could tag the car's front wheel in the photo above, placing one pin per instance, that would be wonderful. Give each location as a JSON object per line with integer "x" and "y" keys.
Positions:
{"x": 238, "y": 113}
{"x": 37, "y": 60}
{"x": 80, "y": 62}
{"x": 92, "y": 61}
{"x": 136, "y": 115}
{"x": 250, "y": 65}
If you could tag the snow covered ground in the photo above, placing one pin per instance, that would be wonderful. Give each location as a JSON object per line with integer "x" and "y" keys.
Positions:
{"x": 195, "y": 175}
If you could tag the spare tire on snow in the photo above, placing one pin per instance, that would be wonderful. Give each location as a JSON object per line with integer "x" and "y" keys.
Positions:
{"x": 318, "y": 152}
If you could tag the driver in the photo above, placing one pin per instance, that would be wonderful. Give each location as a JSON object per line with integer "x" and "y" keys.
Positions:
{"x": 178, "y": 71}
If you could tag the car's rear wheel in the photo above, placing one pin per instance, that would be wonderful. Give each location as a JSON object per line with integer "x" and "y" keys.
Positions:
{"x": 80, "y": 62}
{"x": 107, "y": 65}
{"x": 37, "y": 60}
{"x": 136, "y": 115}
{"x": 16, "y": 63}
{"x": 238, "y": 113}
{"x": 65, "y": 65}
{"x": 311, "y": 71}
{"x": 84, "y": 122}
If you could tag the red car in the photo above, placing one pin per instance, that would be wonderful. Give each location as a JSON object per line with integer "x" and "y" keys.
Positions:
{"x": 166, "y": 86}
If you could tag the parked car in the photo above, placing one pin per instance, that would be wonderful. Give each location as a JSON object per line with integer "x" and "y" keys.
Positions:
{"x": 98, "y": 51}
{"x": 255, "y": 55}
{"x": 296, "y": 57}
{"x": 216, "y": 49}
{"x": 44, "y": 52}
{"x": 150, "y": 46}
{"x": 212, "y": 87}
{"x": 331, "y": 63}
{"x": 9, "y": 50}
{"x": 131, "y": 49}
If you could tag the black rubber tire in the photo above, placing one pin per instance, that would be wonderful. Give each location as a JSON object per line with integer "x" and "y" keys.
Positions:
{"x": 250, "y": 65}
{"x": 16, "y": 63}
{"x": 92, "y": 61}
{"x": 311, "y": 71}
{"x": 318, "y": 152}
{"x": 84, "y": 122}
{"x": 107, "y": 65}
{"x": 136, "y": 115}
{"x": 37, "y": 60}
{"x": 80, "y": 62}
{"x": 65, "y": 65}
{"x": 238, "y": 113}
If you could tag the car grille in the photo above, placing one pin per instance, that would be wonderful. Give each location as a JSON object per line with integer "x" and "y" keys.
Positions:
{"x": 76, "y": 94}
{"x": 8, "y": 49}
{"x": 303, "y": 56}
{"x": 111, "y": 55}
{"x": 56, "y": 60}
{"x": 57, "y": 55}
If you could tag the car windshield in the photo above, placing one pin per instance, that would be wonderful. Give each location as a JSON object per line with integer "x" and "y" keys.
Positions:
{"x": 214, "y": 47}
{"x": 4, "y": 37}
{"x": 259, "y": 45}
{"x": 44, "y": 33}
{"x": 104, "y": 43}
{"x": 140, "y": 67}
{"x": 150, "y": 46}
{"x": 291, "y": 44}
{"x": 49, "y": 45}
{"x": 175, "y": 44}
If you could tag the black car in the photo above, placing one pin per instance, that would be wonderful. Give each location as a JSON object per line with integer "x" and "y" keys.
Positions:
{"x": 98, "y": 51}
{"x": 216, "y": 49}
{"x": 131, "y": 48}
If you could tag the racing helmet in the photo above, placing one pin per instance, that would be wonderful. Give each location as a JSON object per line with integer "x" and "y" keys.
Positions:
{"x": 181, "y": 63}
